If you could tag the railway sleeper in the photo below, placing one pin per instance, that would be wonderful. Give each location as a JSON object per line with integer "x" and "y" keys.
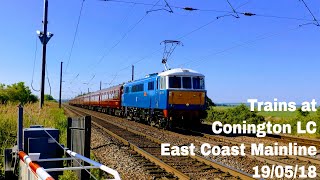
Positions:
{"x": 187, "y": 168}
{"x": 159, "y": 172}
{"x": 164, "y": 176}
{"x": 154, "y": 168}
{"x": 206, "y": 168}
{"x": 178, "y": 164}
{"x": 148, "y": 164}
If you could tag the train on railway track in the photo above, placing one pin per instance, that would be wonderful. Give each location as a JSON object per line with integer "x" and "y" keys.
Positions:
{"x": 174, "y": 97}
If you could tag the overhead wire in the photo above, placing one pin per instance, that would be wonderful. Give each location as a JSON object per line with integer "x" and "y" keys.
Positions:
{"x": 258, "y": 38}
{"x": 108, "y": 51}
{"x": 124, "y": 19}
{"x": 215, "y": 19}
{"x": 123, "y": 36}
{"x": 181, "y": 37}
{"x": 34, "y": 63}
{"x": 187, "y": 34}
{"x": 48, "y": 78}
{"x": 210, "y": 10}
{"x": 75, "y": 35}
{"x": 158, "y": 50}
{"x": 189, "y": 9}
{"x": 314, "y": 18}
{"x": 138, "y": 3}
{"x": 234, "y": 11}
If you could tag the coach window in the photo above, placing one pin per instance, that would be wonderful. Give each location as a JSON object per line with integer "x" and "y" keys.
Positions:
{"x": 186, "y": 82}
{"x": 174, "y": 82}
{"x": 198, "y": 82}
{"x": 151, "y": 85}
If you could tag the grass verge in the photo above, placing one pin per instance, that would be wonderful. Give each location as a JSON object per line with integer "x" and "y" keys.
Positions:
{"x": 49, "y": 116}
{"x": 236, "y": 114}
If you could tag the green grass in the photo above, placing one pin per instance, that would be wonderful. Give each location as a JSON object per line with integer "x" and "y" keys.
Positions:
{"x": 221, "y": 107}
{"x": 279, "y": 117}
{"x": 274, "y": 114}
{"x": 49, "y": 116}
{"x": 281, "y": 114}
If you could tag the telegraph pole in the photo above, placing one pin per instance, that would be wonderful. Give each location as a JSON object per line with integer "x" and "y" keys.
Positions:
{"x": 100, "y": 84}
{"x": 44, "y": 38}
{"x": 60, "y": 85}
{"x": 132, "y": 73}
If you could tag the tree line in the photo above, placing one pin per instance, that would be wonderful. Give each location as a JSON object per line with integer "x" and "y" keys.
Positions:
{"x": 17, "y": 92}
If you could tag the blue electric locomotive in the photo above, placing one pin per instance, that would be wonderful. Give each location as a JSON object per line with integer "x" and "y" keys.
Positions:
{"x": 170, "y": 98}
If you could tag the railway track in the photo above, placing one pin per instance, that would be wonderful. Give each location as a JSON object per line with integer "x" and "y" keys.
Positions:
{"x": 277, "y": 160}
{"x": 147, "y": 150}
{"x": 299, "y": 140}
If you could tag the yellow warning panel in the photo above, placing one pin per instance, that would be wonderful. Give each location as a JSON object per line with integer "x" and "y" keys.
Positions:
{"x": 187, "y": 97}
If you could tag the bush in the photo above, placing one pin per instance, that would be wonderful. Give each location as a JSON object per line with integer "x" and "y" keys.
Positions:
{"x": 16, "y": 93}
{"x": 303, "y": 113}
{"x": 235, "y": 115}
{"x": 49, "y": 116}
{"x": 48, "y": 97}
{"x": 209, "y": 102}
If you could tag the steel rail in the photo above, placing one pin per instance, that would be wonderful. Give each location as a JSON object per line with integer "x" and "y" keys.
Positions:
{"x": 300, "y": 140}
{"x": 234, "y": 172}
{"x": 259, "y": 158}
{"x": 283, "y": 137}
{"x": 143, "y": 153}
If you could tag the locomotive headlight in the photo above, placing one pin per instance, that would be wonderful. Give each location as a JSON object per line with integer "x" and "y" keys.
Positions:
{"x": 203, "y": 94}
{"x": 170, "y": 93}
{"x": 187, "y": 104}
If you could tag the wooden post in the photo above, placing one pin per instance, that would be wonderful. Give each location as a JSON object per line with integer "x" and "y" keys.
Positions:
{"x": 20, "y": 128}
{"x": 87, "y": 143}
{"x": 60, "y": 85}
{"x": 69, "y": 136}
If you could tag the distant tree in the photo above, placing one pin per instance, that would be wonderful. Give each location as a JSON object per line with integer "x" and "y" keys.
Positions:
{"x": 48, "y": 97}
{"x": 209, "y": 102}
{"x": 81, "y": 94}
{"x": 17, "y": 92}
{"x": 3, "y": 94}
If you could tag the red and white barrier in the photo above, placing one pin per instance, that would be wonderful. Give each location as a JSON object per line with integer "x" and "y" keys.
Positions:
{"x": 35, "y": 168}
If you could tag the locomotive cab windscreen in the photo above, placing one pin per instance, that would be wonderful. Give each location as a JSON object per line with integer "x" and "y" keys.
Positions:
{"x": 181, "y": 79}
{"x": 185, "y": 88}
{"x": 186, "y": 82}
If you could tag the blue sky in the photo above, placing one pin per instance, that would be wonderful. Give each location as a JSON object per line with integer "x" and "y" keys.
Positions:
{"x": 260, "y": 57}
